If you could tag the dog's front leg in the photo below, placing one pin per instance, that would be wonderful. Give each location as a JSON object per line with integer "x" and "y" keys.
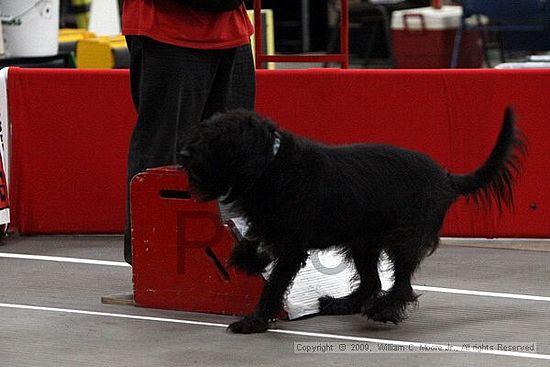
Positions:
{"x": 271, "y": 300}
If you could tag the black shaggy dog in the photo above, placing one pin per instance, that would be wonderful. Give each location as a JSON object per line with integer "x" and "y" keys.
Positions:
{"x": 299, "y": 195}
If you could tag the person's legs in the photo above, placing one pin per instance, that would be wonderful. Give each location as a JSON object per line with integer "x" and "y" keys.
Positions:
{"x": 170, "y": 86}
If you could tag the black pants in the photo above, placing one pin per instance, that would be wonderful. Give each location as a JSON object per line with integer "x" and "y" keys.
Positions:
{"x": 173, "y": 89}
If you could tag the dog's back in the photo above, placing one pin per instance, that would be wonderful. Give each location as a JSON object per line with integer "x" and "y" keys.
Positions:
{"x": 378, "y": 187}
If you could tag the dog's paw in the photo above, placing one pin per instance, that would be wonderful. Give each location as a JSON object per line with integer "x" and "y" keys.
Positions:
{"x": 338, "y": 306}
{"x": 249, "y": 325}
{"x": 388, "y": 309}
{"x": 386, "y": 315}
{"x": 247, "y": 258}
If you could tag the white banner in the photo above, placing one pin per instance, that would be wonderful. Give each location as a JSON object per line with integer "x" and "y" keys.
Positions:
{"x": 4, "y": 150}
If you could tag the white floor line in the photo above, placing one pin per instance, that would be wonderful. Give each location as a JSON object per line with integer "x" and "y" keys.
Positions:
{"x": 481, "y": 293}
{"x": 496, "y": 239}
{"x": 62, "y": 259}
{"x": 278, "y": 331}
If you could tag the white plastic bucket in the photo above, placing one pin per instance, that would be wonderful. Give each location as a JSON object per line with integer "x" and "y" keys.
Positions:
{"x": 30, "y": 27}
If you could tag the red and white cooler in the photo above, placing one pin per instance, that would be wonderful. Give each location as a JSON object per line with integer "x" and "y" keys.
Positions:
{"x": 424, "y": 38}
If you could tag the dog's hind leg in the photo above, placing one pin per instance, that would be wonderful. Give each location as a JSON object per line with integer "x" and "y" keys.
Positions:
{"x": 365, "y": 259}
{"x": 271, "y": 300}
{"x": 392, "y": 305}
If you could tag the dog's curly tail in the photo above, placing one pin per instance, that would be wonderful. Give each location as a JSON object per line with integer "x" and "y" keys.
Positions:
{"x": 493, "y": 180}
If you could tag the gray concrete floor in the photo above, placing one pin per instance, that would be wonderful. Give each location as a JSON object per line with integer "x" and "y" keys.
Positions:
{"x": 51, "y": 315}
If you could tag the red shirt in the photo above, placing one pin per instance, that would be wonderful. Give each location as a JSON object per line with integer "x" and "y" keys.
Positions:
{"x": 171, "y": 22}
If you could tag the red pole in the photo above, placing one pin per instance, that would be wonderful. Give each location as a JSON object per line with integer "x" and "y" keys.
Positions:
{"x": 258, "y": 32}
{"x": 344, "y": 33}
